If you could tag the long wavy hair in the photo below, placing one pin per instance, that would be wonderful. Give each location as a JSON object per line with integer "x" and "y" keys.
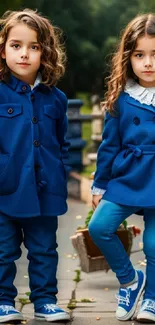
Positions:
{"x": 121, "y": 68}
{"x": 49, "y": 37}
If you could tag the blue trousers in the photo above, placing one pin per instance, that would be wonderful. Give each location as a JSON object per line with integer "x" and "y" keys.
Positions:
{"x": 102, "y": 227}
{"x": 39, "y": 236}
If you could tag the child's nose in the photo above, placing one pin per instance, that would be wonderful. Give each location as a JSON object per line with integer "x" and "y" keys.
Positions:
{"x": 148, "y": 62}
{"x": 24, "y": 53}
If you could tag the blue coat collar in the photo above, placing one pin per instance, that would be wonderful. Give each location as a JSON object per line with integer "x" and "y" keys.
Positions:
{"x": 135, "y": 102}
{"x": 20, "y": 86}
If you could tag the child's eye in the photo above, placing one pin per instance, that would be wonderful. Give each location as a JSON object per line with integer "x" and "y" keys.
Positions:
{"x": 35, "y": 47}
{"x": 139, "y": 55}
{"x": 15, "y": 46}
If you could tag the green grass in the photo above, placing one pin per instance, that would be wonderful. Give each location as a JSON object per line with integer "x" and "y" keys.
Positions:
{"x": 88, "y": 170}
{"x": 86, "y": 127}
{"x": 86, "y": 132}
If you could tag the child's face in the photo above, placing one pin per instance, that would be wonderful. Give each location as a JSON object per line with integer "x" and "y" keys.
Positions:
{"x": 22, "y": 53}
{"x": 143, "y": 61}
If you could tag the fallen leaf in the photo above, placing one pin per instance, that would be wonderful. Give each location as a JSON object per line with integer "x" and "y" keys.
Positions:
{"x": 92, "y": 299}
{"x": 69, "y": 255}
{"x": 78, "y": 217}
{"x": 97, "y": 318}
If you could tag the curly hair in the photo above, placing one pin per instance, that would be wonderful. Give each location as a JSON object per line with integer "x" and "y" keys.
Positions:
{"x": 121, "y": 68}
{"x": 53, "y": 56}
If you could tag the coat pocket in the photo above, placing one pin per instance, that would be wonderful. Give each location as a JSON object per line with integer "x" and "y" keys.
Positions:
{"x": 8, "y": 174}
{"x": 10, "y": 110}
{"x": 52, "y": 111}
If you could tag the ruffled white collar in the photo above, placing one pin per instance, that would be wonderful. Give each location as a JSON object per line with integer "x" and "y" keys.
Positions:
{"x": 143, "y": 95}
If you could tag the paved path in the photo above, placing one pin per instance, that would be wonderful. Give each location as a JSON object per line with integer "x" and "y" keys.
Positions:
{"x": 99, "y": 285}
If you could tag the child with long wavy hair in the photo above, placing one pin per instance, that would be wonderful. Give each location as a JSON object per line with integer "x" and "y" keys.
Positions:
{"x": 124, "y": 180}
{"x": 33, "y": 158}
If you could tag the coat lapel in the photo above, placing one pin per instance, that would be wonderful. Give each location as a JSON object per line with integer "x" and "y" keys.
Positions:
{"x": 135, "y": 102}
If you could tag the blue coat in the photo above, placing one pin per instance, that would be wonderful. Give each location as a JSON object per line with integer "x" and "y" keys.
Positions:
{"x": 33, "y": 150}
{"x": 126, "y": 156}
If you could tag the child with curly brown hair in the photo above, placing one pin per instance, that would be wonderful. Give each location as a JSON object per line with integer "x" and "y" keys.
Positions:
{"x": 33, "y": 158}
{"x": 124, "y": 181}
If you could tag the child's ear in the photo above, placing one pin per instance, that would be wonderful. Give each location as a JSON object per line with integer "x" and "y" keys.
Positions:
{"x": 43, "y": 62}
{"x": 3, "y": 55}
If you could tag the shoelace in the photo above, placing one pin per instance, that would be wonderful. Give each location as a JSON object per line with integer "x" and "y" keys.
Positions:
{"x": 6, "y": 308}
{"x": 148, "y": 304}
{"x": 124, "y": 300}
{"x": 51, "y": 307}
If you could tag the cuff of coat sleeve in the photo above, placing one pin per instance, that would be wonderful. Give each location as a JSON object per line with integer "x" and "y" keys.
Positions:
{"x": 102, "y": 185}
{"x": 97, "y": 191}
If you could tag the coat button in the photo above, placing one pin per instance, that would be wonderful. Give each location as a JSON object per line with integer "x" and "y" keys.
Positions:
{"x": 136, "y": 120}
{"x": 24, "y": 88}
{"x": 36, "y": 143}
{"x": 34, "y": 119}
{"x": 10, "y": 110}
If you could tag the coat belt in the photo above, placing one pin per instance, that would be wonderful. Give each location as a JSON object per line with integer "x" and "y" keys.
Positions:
{"x": 140, "y": 150}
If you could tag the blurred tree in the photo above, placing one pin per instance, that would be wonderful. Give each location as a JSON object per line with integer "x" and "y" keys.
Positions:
{"x": 146, "y": 6}
{"x": 9, "y": 5}
{"x": 77, "y": 19}
{"x": 91, "y": 32}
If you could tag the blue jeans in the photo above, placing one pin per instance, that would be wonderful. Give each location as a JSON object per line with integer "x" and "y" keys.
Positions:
{"x": 102, "y": 227}
{"x": 39, "y": 237}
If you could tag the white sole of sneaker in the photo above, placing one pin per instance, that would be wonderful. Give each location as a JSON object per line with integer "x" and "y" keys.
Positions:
{"x": 52, "y": 318}
{"x": 11, "y": 317}
{"x": 129, "y": 315}
{"x": 145, "y": 317}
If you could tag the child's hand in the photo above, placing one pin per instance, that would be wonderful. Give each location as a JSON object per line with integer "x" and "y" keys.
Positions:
{"x": 96, "y": 200}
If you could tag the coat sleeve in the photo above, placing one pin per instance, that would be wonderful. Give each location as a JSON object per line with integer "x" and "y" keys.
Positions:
{"x": 108, "y": 150}
{"x": 61, "y": 134}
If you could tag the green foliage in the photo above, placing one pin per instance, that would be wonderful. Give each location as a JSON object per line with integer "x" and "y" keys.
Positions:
{"x": 71, "y": 305}
{"x": 125, "y": 224}
{"x": 86, "y": 300}
{"x": 91, "y": 32}
{"x": 77, "y": 278}
{"x": 10, "y": 5}
{"x": 24, "y": 301}
{"x": 88, "y": 170}
{"x": 86, "y": 126}
{"x": 87, "y": 220}
{"x": 89, "y": 216}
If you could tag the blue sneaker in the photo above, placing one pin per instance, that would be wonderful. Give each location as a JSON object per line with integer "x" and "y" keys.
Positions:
{"x": 128, "y": 297}
{"x": 8, "y": 313}
{"x": 146, "y": 313}
{"x": 51, "y": 313}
